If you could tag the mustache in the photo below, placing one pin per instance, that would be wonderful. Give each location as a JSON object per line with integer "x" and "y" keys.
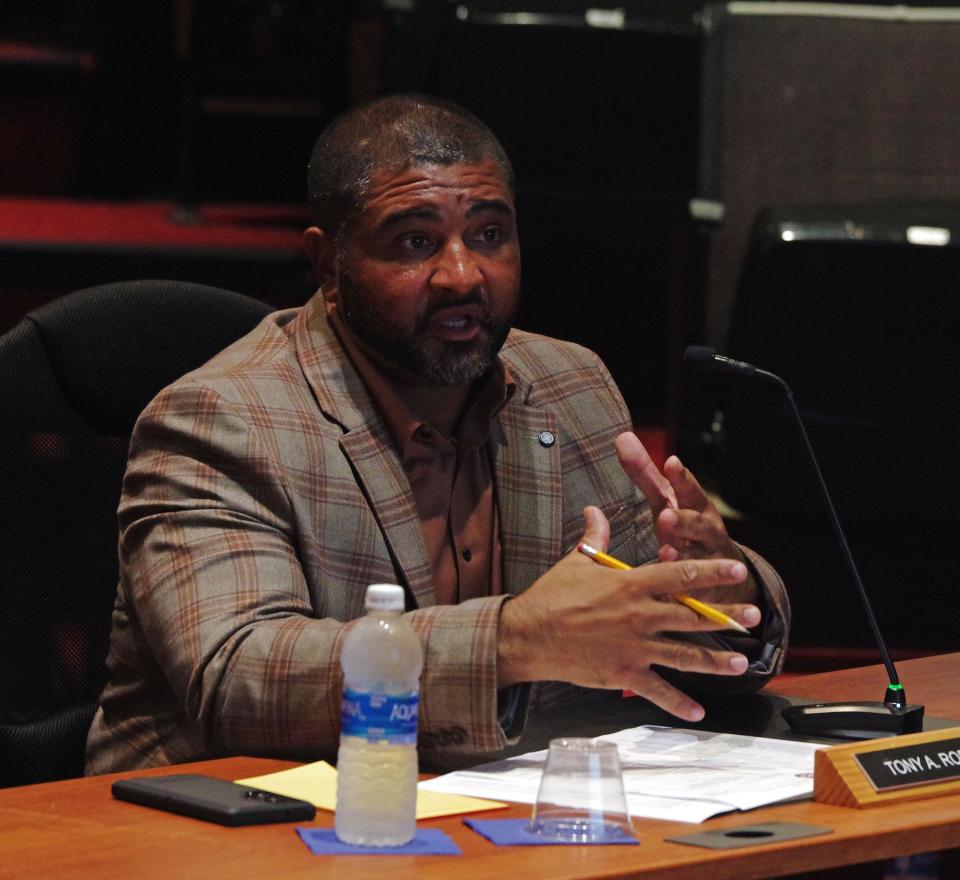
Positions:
{"x": 448, "y": 302}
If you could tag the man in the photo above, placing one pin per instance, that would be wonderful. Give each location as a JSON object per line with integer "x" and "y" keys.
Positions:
{"x": 396, "y": 429}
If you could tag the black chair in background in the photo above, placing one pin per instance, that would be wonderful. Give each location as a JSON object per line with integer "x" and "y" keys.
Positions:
{"x": 74, "y": 375}
{"x": 856, "y": 307}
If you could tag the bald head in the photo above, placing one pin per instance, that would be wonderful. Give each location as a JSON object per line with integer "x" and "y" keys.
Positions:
{"x": 391, "y": 133}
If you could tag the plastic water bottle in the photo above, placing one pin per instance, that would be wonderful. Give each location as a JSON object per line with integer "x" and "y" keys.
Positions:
{"x": 377, "y": 761}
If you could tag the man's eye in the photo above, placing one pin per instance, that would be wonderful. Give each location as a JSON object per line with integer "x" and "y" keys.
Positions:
{"x": 416, "y": 242}
{"x": 490, "y": 234}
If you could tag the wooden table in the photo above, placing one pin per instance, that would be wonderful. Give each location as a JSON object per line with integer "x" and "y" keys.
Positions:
{"x": 75, "y": 829}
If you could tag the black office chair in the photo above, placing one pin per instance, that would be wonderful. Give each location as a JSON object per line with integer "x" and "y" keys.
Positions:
{"x": 74, "y": 375}
{"x": 855, "y": 306}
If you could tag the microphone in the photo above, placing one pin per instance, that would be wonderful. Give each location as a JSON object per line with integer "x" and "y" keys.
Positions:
{"x": 860, "y": 720}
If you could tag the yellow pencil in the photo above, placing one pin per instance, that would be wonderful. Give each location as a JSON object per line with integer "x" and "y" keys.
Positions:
{"x": 702, "y": 608}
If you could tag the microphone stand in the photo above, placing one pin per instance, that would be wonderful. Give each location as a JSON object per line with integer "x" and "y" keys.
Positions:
{"x": 856, "y": 720}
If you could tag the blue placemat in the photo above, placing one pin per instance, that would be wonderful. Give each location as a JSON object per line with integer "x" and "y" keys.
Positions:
{"x": 513, "y": 832}
{"x": 426, "y": 842}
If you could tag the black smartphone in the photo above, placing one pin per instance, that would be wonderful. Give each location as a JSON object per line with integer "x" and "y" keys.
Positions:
{"x": 212, "y": 799}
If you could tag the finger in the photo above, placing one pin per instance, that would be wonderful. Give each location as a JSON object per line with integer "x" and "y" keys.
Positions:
{"x": 688, "y": 574}
{"x": 685, "y": 657}
{"x": 687, "y": 489}
{"x": 746, "y": 615}
{"x": 665, "y": 528}
{"x": 597, "y": 530}
{"x": 693, "y": 534}
{"x": 666, "y": 696}
{"x": 671, "y": 615}
{"x": 668, "y": 553}
{"x": 646, "y": 476}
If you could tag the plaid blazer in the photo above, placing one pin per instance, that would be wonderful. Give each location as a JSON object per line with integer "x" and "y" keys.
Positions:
{"x": 263, "y": 494}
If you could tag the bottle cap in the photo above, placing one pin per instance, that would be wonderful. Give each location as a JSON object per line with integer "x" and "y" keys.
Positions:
{"x": 384, "y": 597}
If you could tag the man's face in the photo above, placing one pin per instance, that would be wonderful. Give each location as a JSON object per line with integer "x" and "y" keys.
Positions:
{"x": 429, "y": 272}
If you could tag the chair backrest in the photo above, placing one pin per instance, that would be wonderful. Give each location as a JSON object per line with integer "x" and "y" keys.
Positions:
{"x": 74, "y": 375}
{"x": 856, "y": 307}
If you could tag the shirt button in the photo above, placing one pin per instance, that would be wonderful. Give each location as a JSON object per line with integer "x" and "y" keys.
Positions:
{"x": 547, "y": 438}
{"x": 467, "y": 554}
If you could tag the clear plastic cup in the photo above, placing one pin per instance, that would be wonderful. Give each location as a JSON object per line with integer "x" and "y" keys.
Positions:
{"x": 581, "y": 797}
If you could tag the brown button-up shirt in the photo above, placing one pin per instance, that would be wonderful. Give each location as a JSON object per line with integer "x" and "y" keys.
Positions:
{"x": 450, "y": 477}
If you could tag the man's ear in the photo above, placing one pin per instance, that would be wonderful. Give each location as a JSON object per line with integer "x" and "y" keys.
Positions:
{"x": 322, "y": 253}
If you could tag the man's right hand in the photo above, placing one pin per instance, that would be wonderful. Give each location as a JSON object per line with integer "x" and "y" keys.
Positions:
{"x": 599, "y": 627}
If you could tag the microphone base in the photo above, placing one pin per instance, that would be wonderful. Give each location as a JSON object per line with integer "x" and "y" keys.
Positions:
{"x": 854, "y": 720}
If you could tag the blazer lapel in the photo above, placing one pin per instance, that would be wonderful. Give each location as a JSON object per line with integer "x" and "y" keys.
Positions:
{"x": 381, "y": 474}
{"x": 366, "y": 443}
{"x": 526, "y": 461}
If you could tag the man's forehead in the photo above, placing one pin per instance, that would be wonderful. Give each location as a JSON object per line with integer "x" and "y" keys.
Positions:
{"x": 482, "y": 179}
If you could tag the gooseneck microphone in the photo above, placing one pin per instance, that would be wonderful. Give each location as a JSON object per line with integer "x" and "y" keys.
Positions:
{"x": 862, "y": 720}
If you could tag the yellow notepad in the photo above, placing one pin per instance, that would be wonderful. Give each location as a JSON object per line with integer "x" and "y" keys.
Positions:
{"x": 317, "y": 784}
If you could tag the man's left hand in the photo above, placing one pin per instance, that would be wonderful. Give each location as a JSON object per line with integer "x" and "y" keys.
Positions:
{"x": 686, "y": 522}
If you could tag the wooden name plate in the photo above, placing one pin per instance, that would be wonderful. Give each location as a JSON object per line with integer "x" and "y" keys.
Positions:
{"x": 887, "y": 771}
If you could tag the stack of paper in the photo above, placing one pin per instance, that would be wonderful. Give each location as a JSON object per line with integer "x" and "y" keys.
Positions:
{"x": 668, "y": 773}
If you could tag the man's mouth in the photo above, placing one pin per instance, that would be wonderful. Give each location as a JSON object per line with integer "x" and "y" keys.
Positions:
{"x": 456, "y": 329}
{"x": 457, "y": 324}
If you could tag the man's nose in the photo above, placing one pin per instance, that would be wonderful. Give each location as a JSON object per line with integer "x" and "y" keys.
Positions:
{"x": 456, "y": 268}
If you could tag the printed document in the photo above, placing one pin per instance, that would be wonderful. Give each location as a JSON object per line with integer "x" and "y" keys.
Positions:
{"x": 668, "y": 773}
